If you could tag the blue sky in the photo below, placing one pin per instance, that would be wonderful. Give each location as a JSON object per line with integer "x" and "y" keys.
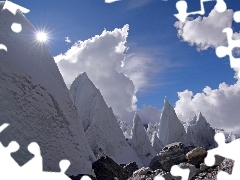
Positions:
{"x": 175, "y": 65}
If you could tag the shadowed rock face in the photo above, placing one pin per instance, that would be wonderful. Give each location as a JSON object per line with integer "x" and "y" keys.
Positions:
{"x": 35, "y": 101}
{"x": 170, "y": 155}
{"x": 106, "y": 168}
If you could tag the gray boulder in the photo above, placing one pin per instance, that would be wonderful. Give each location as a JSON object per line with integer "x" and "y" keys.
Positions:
{"x": 145, "y": 173}
{"x": 172, "y": 154}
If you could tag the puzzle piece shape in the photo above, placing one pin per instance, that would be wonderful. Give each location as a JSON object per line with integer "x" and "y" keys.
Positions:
{"x": 111, "y": 1}
{"x": 7, "y": 163}
{"x": 177, "y": 171}
{"x": 236, "y": 16}
{"x": 159, "y": 178}
{"x": 3, "y": 47}
{"x": 182, "y": 7}
{"x": 227, "y": 150}
{"x": 86, "y": 178}
{"x": 13, "y": 8}
{"x": 32, "y": 169}
{"x": 220, "y": 6}
{"x": 3, "y": 126}
{"x": 223, "y": 51}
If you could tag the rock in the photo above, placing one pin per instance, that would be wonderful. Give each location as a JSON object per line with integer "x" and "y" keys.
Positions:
{"x": 145, "y": 173}
{"x": 170, "y": 155}
{"x": 130, "y": 168}
{"x": 203, "y": 167}
{"x": 218, "y": 160}
{"x": 106, "y": 168}
{"x": 196, "y": 156}
{"x": 191, "y": 167}
{"x": 189, "y": 148}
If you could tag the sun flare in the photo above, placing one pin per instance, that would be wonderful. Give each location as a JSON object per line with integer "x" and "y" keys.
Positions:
{"x": 42, "y": 37}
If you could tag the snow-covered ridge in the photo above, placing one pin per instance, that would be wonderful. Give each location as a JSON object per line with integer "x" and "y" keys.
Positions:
{"x": 102, "y": 129}
{"x": 35, "y": 101}
{"x": 140, "y": 142}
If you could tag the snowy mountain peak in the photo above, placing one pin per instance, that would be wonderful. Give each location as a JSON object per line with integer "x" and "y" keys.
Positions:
{"x": 100, "y": 124}
{"x": 137, "y": 120}
{"x": 36, "y": 103}
{"x": 166, "y": 103}
{"x": 200, "y": 132}
{"x": 156, "y": 143}
{"x": 171, "y": 129}
{"x": 140, "y": 141}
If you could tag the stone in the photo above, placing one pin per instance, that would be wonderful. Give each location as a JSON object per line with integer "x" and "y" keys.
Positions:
{"x": 172, "y": 154}
{"x": 130, "y": 168}
{"x": 106, "y": 168}
{"x": 196, "y": 156}
{"x": 218, "y": 160}
{"x": 146, "y": 173}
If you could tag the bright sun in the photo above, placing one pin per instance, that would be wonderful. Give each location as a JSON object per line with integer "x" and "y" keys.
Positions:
{"x": 42, "y": 37}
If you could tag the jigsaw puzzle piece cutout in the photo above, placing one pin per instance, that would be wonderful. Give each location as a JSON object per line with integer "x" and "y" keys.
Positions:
{"x": 182, "y": 7}
{"x": 223, "y": 51}
{"x": 3, "y": 47}
{"x": 111, "y": 1}
{"x": 86, "y": 178}
{"x": 220, "y": 6}
{"x": 227, "y": 150}
{"x": 7, "y": 164}
{"x": 35, "y": 165}
{"x": 5, "y": 125}
{"x": 17, "y": 28}
{"x": 236, "y": 16}
{"x": 159, "y": 177}
{"x": 177, "y": 171}
{"x": 64, "y": 165}
{"x": 13, "y": 8}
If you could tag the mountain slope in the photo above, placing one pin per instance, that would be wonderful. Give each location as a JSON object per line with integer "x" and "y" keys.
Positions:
{"x": 156, "y": 143}
{"x": 102, "y": 129}
{"x": 36, "y": 103}
{"x": 140, "y": 142}
{"x": 200, "y": 133}
{"x": 171, "y": 129}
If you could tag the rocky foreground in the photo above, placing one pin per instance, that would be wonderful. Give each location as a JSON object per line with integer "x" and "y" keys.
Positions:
{"x": 173, "y": 154}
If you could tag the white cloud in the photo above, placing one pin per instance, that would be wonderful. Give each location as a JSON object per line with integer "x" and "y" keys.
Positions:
{"x": 102, "y": 57}
{"x": 205, "y": 32}
{"x": 67, "y": 39}
{"x": 219, "y": 106}
{"x": 137, "y": 66}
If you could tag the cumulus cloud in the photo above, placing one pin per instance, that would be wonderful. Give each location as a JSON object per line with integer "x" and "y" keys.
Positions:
{"x": 138, "y": 66}
{"x": 103, "y": 58}
{"x": 219, "y": 106}
{"x": 205, "y": 32}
